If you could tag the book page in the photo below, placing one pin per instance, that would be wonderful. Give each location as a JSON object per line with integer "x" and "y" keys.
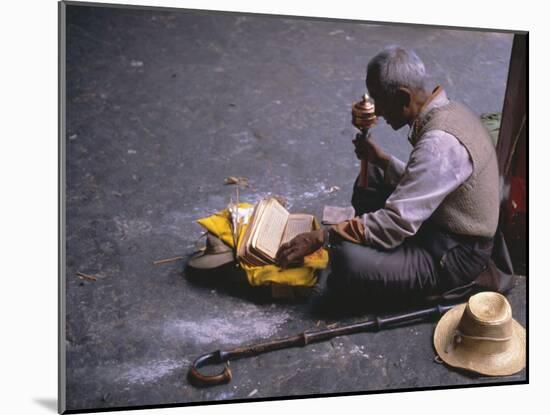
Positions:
{"x": 262, "y": 205}
{"x": 270, "y": 229}
{"x": 296, "y": 224}
{"x": 254, "y": 257}
{"x": 247, "y": 237}
{"x": 242, "y": 244}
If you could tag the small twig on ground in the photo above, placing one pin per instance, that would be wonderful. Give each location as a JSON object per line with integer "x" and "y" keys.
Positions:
{"x": 164, "y": 261}
{"x": 81, "y": 275}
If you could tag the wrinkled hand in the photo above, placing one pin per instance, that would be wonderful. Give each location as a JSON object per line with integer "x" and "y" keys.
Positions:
{"x": 369, "y": 150}
{"x": 300, "y": 246}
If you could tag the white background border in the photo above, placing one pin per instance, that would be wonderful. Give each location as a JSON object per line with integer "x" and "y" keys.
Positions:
{"x": 29, "y": 203}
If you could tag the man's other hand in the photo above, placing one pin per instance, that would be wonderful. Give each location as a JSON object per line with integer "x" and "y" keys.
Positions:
{"x": 293, "y": 252}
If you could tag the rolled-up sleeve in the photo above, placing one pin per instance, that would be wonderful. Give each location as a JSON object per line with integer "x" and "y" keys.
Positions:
{"x": 352, "y": 230}
{"x": 438, "y": 165}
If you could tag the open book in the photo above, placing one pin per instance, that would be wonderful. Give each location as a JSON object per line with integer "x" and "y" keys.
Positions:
{"x": 271, "y": 225}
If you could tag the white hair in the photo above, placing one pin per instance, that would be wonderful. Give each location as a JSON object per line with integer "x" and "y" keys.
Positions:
{"x": 396, "y": 67}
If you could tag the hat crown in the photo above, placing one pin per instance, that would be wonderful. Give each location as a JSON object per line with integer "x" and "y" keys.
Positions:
{"x": 486, "y": 324}
{"x": 215, "y": 254}
{"x": 489, "y": 308}
{"x": 215, "y": 245}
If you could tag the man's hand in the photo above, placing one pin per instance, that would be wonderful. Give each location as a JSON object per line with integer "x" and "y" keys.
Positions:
{"x": 299, "y": 247}
{"x": 370, "y": 151}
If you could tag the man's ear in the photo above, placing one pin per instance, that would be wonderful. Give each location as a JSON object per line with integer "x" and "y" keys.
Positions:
{"x": 404, "y": 97}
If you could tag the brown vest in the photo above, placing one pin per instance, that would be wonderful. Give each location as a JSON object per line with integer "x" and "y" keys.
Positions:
{"x": 473, "y": 208}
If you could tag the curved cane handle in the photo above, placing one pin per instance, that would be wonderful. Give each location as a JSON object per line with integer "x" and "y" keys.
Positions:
{"x": 198, "y": 379}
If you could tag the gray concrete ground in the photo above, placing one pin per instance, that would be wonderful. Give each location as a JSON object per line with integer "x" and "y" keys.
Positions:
{"x": 161, "y": 107}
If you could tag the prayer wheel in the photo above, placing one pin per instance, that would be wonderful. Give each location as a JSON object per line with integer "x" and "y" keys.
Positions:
{"x": 363, "y": 118}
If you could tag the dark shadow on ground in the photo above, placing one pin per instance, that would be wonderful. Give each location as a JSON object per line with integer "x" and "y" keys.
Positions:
{"x": 229, "y": 280}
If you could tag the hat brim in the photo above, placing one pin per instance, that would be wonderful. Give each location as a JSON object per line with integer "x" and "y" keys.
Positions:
{"x": 503, "y": 364}
{"x": 203, "y": 260}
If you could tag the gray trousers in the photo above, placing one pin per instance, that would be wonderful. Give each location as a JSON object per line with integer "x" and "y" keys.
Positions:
{"x": 429, "y": 263}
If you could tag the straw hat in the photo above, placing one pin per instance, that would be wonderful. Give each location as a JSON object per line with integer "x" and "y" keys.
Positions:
{"x": 481, "y": 336}
{"x": 214, "y": 255}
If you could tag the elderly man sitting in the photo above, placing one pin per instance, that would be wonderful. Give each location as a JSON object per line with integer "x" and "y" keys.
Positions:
{"x": 425, "y": 227}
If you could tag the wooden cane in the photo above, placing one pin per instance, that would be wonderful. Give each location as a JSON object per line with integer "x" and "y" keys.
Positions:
{"x": 199, "y": 379}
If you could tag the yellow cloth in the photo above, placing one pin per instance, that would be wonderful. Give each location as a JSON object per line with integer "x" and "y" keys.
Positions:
{"x": 220, "y": 225}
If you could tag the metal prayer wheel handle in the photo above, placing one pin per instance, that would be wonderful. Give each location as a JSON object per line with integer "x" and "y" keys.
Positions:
{"x": 363, "y": 117}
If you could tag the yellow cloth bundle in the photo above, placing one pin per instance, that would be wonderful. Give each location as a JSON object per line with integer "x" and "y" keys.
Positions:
{"x": 219, "y": 224}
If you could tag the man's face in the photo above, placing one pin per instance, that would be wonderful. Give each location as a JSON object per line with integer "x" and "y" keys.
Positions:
{"x": 384, "y": 107}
